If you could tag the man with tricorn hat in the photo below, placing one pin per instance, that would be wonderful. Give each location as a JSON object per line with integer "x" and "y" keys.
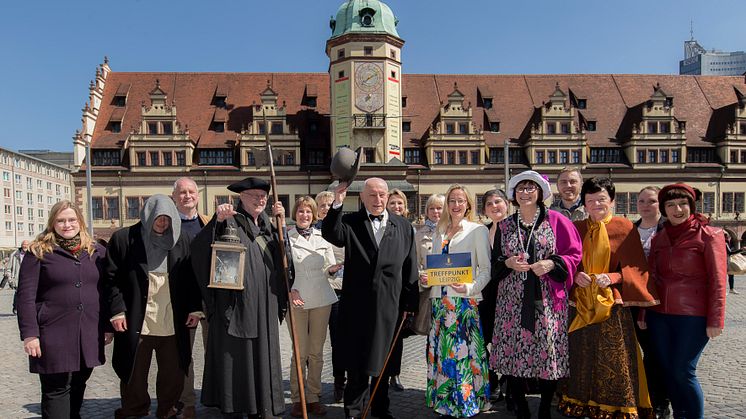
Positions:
{"x": 380, "y": 282}
{"x": 243, "y": 373}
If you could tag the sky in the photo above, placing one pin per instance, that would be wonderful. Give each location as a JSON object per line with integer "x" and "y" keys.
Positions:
{"x": 49, "y": 49}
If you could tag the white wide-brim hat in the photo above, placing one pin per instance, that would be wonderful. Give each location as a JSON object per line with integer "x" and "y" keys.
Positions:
{"x": 533, "y": 176}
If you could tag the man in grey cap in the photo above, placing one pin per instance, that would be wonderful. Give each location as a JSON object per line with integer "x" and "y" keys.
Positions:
{"x": 243, "y": 372}
{"x": 151, "y": 291}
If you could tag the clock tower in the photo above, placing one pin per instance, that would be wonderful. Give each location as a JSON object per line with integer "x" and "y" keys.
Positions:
{"x": 365, "y": 80}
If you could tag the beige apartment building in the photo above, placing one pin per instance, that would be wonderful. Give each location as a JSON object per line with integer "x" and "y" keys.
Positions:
{"x": 31, "y": 187}
{"x": 421, "y": 132}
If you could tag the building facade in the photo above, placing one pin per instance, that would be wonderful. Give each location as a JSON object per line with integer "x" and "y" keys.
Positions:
{"x": 420, "y": 132}
{"x": 699, "y": 61}
{"x": 31, "y": 187}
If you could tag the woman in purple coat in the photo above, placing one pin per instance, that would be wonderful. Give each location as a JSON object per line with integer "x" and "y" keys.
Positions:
{"x": 58, "y": 310}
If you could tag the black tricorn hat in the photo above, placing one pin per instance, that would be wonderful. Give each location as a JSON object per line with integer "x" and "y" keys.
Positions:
{"x": 249, "y": 183}
{"x": 346, "y": 164}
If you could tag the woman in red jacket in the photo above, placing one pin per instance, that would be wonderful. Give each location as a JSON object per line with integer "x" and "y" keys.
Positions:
{"x": 688, "y": 263}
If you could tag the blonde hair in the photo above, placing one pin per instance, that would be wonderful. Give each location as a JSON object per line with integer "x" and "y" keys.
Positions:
{"x": 323, "y": 195}
{"x": 399, "y": 194}
{"x": 434, "y": 199}
{"x": 305, "y": 201}
{"x": 445, "y": 219}
{"x": 46, "y": 240}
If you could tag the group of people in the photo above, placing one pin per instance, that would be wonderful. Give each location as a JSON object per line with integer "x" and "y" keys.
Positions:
{"x": 566, "y": 301}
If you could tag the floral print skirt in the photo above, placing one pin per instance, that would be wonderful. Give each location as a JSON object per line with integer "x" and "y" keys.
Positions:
{"x": 457, "y": 374}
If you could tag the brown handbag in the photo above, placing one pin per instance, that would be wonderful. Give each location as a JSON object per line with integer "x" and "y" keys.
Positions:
{"x": 421, "y": 323}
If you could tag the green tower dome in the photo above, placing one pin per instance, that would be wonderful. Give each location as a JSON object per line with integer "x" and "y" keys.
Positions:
{"x": 364, "y": 16}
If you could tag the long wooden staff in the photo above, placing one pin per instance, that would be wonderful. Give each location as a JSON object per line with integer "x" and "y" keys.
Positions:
{"x": 281, "y": 227}
{"x": 385, "y": 362}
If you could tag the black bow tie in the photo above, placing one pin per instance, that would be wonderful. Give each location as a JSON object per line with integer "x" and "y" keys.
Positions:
{"x": 375, "y": 217}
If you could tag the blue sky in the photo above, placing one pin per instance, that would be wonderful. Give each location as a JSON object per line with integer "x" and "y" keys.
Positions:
{"x": 49, "y": 49}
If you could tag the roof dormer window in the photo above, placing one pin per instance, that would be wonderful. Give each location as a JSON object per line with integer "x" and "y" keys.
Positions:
{"x": 582, "y": 103}
{"x": 487, "y": 103}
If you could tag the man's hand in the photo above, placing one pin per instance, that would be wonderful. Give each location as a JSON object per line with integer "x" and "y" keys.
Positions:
{"x": 108, "y": 338}
{"x": 192, "y": 321}
{"x": 225, "y": 211}
{"x": 32, "y": 347}
{"x": 278, "y": 209}
{"x": 340, "y": 192}
{"x": 120, "y": 325}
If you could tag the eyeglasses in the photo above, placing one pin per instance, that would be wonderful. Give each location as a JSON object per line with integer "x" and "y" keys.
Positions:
{"x": 256, "y": 196}
{"x": 456, "y": 201}
{"x": 526, "y": 189}
{"x": 62, "y": 221}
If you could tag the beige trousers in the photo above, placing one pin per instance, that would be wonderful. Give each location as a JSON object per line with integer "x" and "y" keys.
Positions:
{"x": 311, "y": 327}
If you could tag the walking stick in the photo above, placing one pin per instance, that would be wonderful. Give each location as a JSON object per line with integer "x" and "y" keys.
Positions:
{"x": 385, "y": 362}
{"x": 281, "y": 227}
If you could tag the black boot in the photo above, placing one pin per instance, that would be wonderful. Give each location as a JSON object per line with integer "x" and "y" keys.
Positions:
{"x": 547, "y": 389}
{"x": 517, "y": 387}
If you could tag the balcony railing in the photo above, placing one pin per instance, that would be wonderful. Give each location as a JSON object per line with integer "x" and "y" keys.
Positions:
{"x": 370, "y": 120}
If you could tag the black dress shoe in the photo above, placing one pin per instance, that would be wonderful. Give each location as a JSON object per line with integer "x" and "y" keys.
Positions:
{"x": 396, "y": 384}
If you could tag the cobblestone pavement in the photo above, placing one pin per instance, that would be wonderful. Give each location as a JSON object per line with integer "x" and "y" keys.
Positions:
{"x": 722, "y": 371}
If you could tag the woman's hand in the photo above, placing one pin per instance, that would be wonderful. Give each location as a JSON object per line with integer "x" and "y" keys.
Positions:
{"x": 296, "y": 299}
{"x": 517, "y": 263}
{"x": 225, "y": 211}
{"x": 423, "y": 279}
{"x": 603, "y": 280}
{"x": 542, "y": 267}
{"x": 335, "y": 268}
{"x": 108, "y": 338}
{"x": 459, "y": 288}
{"x": 713, "y": 332}
{"x": 582, "y": 279}
{"x": 32, "y": 347}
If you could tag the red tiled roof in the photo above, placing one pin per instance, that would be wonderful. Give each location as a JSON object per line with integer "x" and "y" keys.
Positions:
{"x": 515, "y": 99}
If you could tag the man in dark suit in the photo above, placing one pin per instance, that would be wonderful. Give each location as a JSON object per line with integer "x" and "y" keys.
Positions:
{"x": 380, "y": 283}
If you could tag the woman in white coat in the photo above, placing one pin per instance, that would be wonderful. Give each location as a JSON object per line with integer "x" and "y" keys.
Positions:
{"x": 312, "y": 298}
{"x": 457, "y": 374}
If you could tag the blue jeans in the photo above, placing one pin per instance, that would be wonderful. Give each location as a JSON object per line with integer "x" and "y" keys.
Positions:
{"x": 678, "y": 342}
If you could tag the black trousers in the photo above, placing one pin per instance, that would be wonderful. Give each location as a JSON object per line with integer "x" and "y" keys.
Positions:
{"x": 359, "y": 384}
{"x": 62, "y": 394}
{"x": 338, "y": 370}
{"x": 653, "y": 369}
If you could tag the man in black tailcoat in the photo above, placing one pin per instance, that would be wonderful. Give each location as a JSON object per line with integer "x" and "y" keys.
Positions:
{"x": 380, "y": 282}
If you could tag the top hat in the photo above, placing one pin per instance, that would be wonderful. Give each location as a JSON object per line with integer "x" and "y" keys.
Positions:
{"x": 346, "y": 164}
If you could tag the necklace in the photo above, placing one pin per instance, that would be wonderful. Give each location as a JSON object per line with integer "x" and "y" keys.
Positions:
{"x": 523, "y": 247}
{"x": 533, "y": 222}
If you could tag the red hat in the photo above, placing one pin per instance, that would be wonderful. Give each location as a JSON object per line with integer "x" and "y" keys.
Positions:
{"x": 682, "y": 186}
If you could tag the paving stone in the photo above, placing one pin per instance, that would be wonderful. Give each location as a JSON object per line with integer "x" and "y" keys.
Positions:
{"x": 722, "y": 372}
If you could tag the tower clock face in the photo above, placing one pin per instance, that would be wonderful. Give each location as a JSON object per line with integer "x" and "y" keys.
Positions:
{"x": 369, "y": 86}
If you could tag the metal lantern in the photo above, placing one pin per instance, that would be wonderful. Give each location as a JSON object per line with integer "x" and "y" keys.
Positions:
{"x": 228, "y": 256}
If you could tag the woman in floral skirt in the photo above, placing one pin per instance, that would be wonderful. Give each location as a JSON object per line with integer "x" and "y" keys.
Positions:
{"x": 539, "y": 250}
{"x": 457, "y": 375}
